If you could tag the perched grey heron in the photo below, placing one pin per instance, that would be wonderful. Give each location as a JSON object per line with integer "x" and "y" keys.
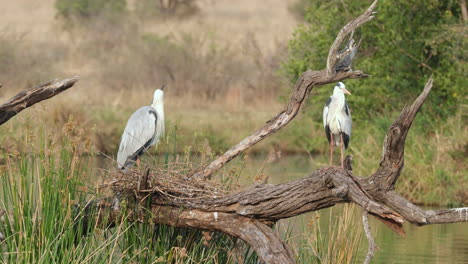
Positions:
{"x": 337, "y": 120}
{"x": 144, "y": 129}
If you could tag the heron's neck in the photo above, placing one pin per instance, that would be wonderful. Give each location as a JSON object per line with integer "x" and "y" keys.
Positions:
{"x": 159, "y": 107}
{"x": 339, "y": 96}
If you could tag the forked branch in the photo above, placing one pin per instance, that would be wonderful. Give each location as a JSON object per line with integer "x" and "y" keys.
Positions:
{"x": 249, "y": 214}
{"x": 333, "y": 54}
{"x": 185, "y": 202}
{"x": 302, "y": 88}
{"x": 392, "y": 160}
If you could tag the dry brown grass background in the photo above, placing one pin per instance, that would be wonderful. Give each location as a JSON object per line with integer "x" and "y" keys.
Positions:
{"x": 220, "y": 64}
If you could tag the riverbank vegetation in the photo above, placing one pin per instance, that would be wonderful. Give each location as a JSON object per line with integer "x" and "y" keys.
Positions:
{"x": 218, "y": 92}
{"x": 216, "y": 88}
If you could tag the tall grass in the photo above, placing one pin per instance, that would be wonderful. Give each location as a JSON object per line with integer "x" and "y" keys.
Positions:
{"x": 42, "y": 195}
{"x": 332, "y": 237}
{"x": 38, "y": 193}
{"x": 43, "y": 224}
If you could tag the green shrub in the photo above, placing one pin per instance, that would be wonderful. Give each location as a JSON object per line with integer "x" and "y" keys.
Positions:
{"x": 405, "y": 43}
{"x": 166, "y": 9}
{"x": 89, "y": 8}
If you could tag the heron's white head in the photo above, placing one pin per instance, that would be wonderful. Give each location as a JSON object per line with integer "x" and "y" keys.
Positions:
{"x": 340, "y": 87}
{"x": 158, "y": 97}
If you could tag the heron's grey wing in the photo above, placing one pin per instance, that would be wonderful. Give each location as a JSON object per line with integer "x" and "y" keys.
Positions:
{"x": 325, "y": 119}
{"x": 347, "y": 125}
{"x": 137, "y": 136}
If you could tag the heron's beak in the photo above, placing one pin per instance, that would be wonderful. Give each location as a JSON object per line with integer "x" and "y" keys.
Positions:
{"x": 162, "y": 88}
{"x": 345, "y": 91}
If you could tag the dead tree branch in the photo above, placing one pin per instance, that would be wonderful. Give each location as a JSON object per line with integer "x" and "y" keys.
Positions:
{"x": 248, "y": 214}
{"x": 167, "y": 198}
{"x": 257, "y": 234}
{"x": 392, "y": 160}
{"x": 333, "y": 55}
{"x": 372, "y": 246}
{"x": 302, "y": 88}
{"x": 31, "y": 96}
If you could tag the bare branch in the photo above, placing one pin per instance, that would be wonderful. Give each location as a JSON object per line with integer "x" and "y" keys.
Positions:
{"x": 420, "y": 217}
{"x": 333, "y": 57}
{"x": 32, "y": 96}
{"x": 463, "y": 9}
{"x": 304, "y": 85}
{"x": 263, "y": 240}
{"x": 392, "y": 160}
{"x": 258, "y": 234}
{"x": 372, "y": 246}
{"x": 247, "y": 214}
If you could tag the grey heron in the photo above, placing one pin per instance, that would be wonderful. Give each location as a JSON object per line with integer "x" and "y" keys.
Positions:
{"x": 337, "y": 120}
{"x": 144, "y": 128}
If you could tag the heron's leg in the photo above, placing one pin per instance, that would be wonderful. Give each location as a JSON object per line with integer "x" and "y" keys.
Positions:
{"x": 342, "y": 151}
{"x": 138, "y": 162}
{"x": 332, "y": 144}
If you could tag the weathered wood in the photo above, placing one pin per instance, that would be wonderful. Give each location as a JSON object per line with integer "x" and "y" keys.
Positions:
{"x": 264, "y": 204}
{"x": 31, "y": 96}
{"x": 392, "y": 160}
{"x": 307, "y": 81}
{"x": 249, "y": 214}
{"x": 257, "y": 234}
{"x": 304, "y": 85}
{"x": 372, "y": 246}
{"x": 333, "y": 55}
{"x": 420, "y": 217}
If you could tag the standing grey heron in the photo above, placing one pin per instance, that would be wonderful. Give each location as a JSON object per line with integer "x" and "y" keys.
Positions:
{"x": 337, "y": 120}
{"x": 144, "y": 129}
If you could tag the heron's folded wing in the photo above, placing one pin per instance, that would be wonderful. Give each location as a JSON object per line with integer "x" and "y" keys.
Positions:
{"x": 326, "y": 109}
{"x": 347, "y": 125}
{"x": 138, "y": 133}
{"x": 325, "y": 112}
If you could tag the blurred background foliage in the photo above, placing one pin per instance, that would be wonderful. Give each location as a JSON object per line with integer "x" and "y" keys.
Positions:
{"x": 407, "y": 42}
{"x": 230, "y": 68}
{"x": 85, "y": 9}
